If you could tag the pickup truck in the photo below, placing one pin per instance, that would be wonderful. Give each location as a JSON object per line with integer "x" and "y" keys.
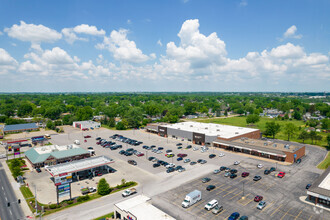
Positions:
{"x": 87, "y": 190}
{"x": 129, "y": 192}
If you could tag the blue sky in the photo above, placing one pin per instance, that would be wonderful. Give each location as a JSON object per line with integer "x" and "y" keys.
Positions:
{"x": 174, "y": 45}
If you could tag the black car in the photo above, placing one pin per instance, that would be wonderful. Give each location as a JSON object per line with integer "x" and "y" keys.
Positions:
{"x": 257, "y": 178}
{"x": 151, "y": 158}
{"x": 130, "y": 149}
{"x": 119, "y": 146}
{"x": 160, "y": 148}
{"x": 210, "y": 187}
{"x": 266, "y": 172}
{"x": 128, "y": 153}
{"x": 156, "y": 165}
{"x": 232, "y": 176}
{"x": 98, "y": 138}
{"x": 188, "y": 147}
{"x": 90, "y": 148}
{"x": 178, "y": 144}
{"x": 298, "y": 161}
{"x": 113, "y": 148}
{"x": 132, "y": 162}
{"x": 178, "y": 168}
{"x": 122, "y": 152}
{"x": 169, "y": 170}
{"x": 168, "y": 151}
{"x": 233, "y": 171}
{"x": 145, "y": 147}
{"x": 152, "y": 146}
{"x": 165, "y": 163}
{"x": 308, "y": 186}
{"x": 206, "y": 179}
{"x": 212, "y": 156}
{"x": 199, "y": 160}
{"x": 38, "y": 170}
{"x": 272, "y": 169}
{"x": 223, "y": 168}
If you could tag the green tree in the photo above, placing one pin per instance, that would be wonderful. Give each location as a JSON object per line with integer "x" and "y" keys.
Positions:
{"x": 314, "y": 136}
{"x": 303, "y": 135}
{"x": 272, "y": 129}
{"x": 251, "y": 119}
{"x": 50, "y": 125}
{"x": 297, "y": 115}
{"x": 290, "y": 129}
{"x": 103, "y": 187}
{"x": 325, "y": 123}
{"x": 328, "y": 141}
{"x": 120, "y": 126}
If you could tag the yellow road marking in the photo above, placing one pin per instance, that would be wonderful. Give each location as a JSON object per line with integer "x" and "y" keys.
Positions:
{"x": 276, "y": 210}
{"x": 229, "y": 192}
{"x": 286, "y": 213}
{"x": 248, "y": 202}
{"x": 299, "y": 214}
{"x": 310, "y": 217}
{"x": 237, "y": 194}
{"x": 267, "y": 206}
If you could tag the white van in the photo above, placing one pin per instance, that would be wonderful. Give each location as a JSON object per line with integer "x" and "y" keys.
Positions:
{"x": 210, "y": 205}
{"x": 77, "y": 142}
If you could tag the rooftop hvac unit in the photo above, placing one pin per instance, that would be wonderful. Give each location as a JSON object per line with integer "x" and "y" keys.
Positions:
{"x": 236, "y": 133}
{"x": 191, "y": 126}
{"x": 206, "y": 128}
{"x": 218, "y": 129}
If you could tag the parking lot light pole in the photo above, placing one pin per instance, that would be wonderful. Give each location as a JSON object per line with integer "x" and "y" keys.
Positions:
{"x": 276, "y": 165}
{"x": 243, "y": 197}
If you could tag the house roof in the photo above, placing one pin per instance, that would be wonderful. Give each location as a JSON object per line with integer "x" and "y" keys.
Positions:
{"x": 35, "y": 157}
{"x": 20, "y": 127}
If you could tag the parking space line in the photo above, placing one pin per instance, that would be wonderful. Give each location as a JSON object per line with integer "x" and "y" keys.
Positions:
{"x": 267, "y": 206}
{"x": 220, "y": 213}
{"x": 276, "y": 210}
{"x": 310, "y": 217}
{"x": 286, "y": 213}
{"x": 226, "y": 217}
{"x": 299, "y": 214}
{"x": 236, "y": 194}
{"x": 229, "y": 192}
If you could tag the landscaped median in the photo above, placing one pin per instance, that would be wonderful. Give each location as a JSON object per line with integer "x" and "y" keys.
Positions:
{"x": 105, "y": 216}
{"x": 325, "y": 163}
{"x": 51, "y": 208}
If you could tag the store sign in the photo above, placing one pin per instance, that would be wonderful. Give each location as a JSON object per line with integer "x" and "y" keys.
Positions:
{"x": 60, "y": 180}
{"x": 64, "y": 190}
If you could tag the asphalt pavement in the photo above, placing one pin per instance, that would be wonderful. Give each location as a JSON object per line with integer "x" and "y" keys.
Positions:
{"x": 7, "y": 195}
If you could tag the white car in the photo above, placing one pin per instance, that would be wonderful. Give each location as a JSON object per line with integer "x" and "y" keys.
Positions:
{"x": 221, "y": 154}
{"x": 260, "y": 166}
{"x": 170, "y": 165}
{"x": 216, "y": 171}
{"x": 159, "y": 152}
{"x": 182, "y": 169}
{"x": 195, "y": 148}
{"x": 261, "y": 205}
{"x": 210, "y": 205}
{"x": 186, "y": 160}
{"x": 236, "y": 162}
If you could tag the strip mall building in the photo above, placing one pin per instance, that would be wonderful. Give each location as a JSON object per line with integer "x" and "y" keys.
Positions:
{"x": 237, "y": 139}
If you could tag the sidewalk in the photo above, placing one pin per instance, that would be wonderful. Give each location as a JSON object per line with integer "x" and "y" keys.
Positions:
{"x": 307, "y": 201}
{"x": 25, "y": 208}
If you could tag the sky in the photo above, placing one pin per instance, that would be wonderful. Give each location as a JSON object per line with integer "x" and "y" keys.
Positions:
{"x": 165, "y": 45}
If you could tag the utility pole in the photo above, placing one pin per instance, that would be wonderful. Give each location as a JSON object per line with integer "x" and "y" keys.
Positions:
{"x": 35, "y": 200}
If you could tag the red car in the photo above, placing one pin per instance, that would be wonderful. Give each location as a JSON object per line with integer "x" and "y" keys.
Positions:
{"x": 245, "y": 174}
{"x": 182, "y": 155}
{"x": 281, "y": 174}
{"x": 87, "y": 136}
{"x": 85, "y": 129}
{"x": 258, "y": 198}
{"x": 99, "y": 142}
{"x": 140, "y": 155}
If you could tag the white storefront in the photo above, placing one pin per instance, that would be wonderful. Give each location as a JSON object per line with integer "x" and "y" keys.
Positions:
{"x": 86, "y": 124}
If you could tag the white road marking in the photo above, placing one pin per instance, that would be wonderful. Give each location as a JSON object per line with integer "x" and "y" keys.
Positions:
{"x": 2, "y": 187}
{"x": 6, "y": 199}
{"x": 10, "y": 212}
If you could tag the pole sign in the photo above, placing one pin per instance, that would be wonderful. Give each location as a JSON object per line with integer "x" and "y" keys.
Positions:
{"x": 63, "y": 179}
{"x": 64, "y": 190}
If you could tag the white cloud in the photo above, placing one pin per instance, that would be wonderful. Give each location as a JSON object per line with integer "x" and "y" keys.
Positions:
{"x": 1, "y": 33}
{"x": 122, "y": 49}
{"x": 33, "y": 33}
{"x": 129, "y": 21}
{"x": 87, "y": 29}
{"x": 159, "y": 42}
{"x": 291, "y": 33}
{"x": 70, "y": 36}
{"x": 7, "y": 62}
{"x": 243, "y": 3}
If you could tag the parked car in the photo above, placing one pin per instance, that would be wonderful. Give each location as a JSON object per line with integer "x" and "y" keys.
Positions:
{"x": 132, "y": 162}
{"x": 217, "y": 209}
{"x": 308, "y": 186}
{"x": 193, "y": 163}
{"x": 98, "y": 138}
{"x": 266, "y": 172}
{"x": 178, "y": 144}
{"x": 234, "y": 175}
{"x": 223, "y": 168}
{"x": 160, "y": 148}
{"x": 212, "y": 156}
{"x": 261, "y": 205}
{"x": 151, "y": 158}
{"x": 234, "y": 216}
{"x": 227, "y": 174}
{"x": 206, "y": 179}
{"x": 179, "y": 159}
{"x": 260, "y": 166}
{"x": 168, "y": 151}
{"x": 122, "y": 152}
{"x": 298, "y": 161}
{"x": 221, "y": 154}
{"x": 87, "y": 136}
{"x": 272, "y": 169}
{"x": 281, "y": 174}
{"x": 210, "y": 187}
{"x": 258, "y": 198}
{"x": 203, "y": 161}
{"x": 182, "y": 169}
{"x": 169, "y": 170}
{"x": 195, "y": 148}
{"x": 179, "y": 147}
{"x": 90, "y": 148}
{"x": 156, "y": 165}
{"x": 232, "y": 171}
{"x": 140, "y": 154}
{"x": 188, "y": 147}
{"x": 181, "y": 155}
{"x": 243, "y": 218}
{"x": 211, "y": 204}
{"x": 178, "y": 168}
{"x": 257, "y": 178}
{"x": 170, "y": 165}
{"x": 245, "y": 174}
{"x": 236, "y": 162}
{"x": 227, "y": 169}
{"x": 216, "y": 171}
{"x": 38, "y": 170}
{"x": 186, "y": 160}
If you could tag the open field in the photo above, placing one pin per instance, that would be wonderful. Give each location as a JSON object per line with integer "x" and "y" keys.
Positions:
{"x": 241, "y": 122}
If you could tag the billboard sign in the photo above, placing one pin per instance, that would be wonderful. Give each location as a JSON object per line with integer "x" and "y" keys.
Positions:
{"x": 63, "y": 179}
{"x": 64, "y": 190}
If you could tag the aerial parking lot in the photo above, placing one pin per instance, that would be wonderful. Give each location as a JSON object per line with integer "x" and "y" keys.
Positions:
{"x": 236, "y": 194}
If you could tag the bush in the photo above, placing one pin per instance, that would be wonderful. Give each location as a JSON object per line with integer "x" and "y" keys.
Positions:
{"x": 103, "y": 187}
{"x": 83, "y": 198}
{"x": 53, "y": 206}
{"x": 69, "y": 202}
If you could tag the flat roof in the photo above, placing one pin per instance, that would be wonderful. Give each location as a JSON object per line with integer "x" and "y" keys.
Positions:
{"x": 54, "y": 148}
{"x": 260, "y": 149}
{"x": 79, "y": 165}
{"x": 20, "y": 127}
{"x": 268, "y": 144}
{"x": 321, "y": 185}
{"x": 211, "y": 129}
{"x": 142, "y": 209}
{"x": 87, "y": 122}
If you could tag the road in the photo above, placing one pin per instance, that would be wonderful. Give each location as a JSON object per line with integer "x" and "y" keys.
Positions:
{"x": 7, "y": 195}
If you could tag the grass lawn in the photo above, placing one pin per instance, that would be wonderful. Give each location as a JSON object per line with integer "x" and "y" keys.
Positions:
{"x": 104, "y": 216}
{"x": 241, "y": 122}
{"x": 325, "y": 163}
{"x": 106, "y": 126}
